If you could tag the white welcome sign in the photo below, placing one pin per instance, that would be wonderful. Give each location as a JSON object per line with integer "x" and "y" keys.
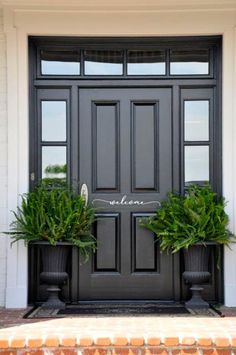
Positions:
{"x": 124, "y": 201}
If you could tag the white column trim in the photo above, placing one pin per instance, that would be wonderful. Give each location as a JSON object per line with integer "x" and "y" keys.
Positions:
{"x": 16, "y": 284}
{"x": 229, "y": 159}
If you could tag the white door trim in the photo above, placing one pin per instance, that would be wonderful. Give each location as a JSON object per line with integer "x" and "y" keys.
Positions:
{"x": 21, "y": 22}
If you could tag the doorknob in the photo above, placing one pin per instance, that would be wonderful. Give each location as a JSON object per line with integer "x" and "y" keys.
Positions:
{"x": 84, "y": 193}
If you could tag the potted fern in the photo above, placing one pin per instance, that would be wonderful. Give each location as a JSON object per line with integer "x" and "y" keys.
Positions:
{"x": 191, "y": 223}
{"x": 54, "y": 219}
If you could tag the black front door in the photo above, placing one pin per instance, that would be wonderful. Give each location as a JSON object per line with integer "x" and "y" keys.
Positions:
{"x": 125, "y": 154}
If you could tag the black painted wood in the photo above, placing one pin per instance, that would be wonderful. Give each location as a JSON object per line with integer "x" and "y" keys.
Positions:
{"x": 144, "y": 146}
{"x": 138, "y": 138}
{"x": 124, "y": 266}
{"x": 143, "y": 240}
{"x": 107, "y": 232}
{"x": 105, "y": 118}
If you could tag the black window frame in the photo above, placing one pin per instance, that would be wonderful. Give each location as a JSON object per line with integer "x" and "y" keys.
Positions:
{"x": 142, "y": 43}
{"x": 177, "y": 83}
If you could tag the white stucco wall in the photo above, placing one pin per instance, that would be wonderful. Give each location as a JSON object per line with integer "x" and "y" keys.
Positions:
{"x": 21, "y": 21}
{"x": 3, "y": 162}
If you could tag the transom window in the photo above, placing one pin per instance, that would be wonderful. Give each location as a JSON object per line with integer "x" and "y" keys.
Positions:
{"x": 79, "y": 61}
{"x": 61, "y": 62}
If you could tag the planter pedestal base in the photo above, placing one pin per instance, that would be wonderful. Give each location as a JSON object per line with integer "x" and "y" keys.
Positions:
{"x": 54, "y": 280}
{"x": 196, "y": 278}
{"x": 196, "y": 300}
{"x": 53, "y": 301}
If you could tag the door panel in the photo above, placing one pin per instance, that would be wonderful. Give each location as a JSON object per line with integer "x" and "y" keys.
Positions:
{"x": 107, "y": 232}
{"x": 144, "y": 145}
{"x": 105, "y": 118}
{"x": 143, "y": 240}
{"x": 125, "y": 159}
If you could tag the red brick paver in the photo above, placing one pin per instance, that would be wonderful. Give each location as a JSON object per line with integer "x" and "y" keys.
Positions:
{"x": 12, "y": 317}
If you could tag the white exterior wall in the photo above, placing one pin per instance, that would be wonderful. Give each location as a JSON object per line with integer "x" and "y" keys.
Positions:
{"x": 3, "y": 162}
{"x": 21, "y": 21}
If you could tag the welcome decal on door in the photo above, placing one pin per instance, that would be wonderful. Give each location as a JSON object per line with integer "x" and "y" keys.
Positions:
{"x": 124, "y": 201}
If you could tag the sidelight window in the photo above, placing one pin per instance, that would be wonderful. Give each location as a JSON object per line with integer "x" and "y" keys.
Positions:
{"x": 196, "y": 164}
{"x": 54, "y": 163}
{"x": 53, "y": 121}
{"x": 197, "y": 135}
{"x": 53, "y": 135}
{"x": 196, "y": 120}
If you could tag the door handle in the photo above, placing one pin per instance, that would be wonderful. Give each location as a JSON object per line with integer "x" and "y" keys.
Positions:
{"x": 84, "y": 193}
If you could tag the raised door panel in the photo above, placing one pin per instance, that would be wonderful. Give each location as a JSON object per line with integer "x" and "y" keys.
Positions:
{"x": 105, "y": 141}
{"x": 144, "y": 133}
{"x": 107, "y": 233}
{"x": 145, "y": 249}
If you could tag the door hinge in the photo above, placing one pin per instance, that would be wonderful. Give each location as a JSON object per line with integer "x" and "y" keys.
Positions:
{"x": 32, "y": 176}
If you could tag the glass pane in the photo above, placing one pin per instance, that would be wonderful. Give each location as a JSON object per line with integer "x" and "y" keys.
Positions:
{"x": 196, "y": 164}
{"x": 60, "y": 62}
{"x": 186, "y": 62}
{"x": 103, "y": 62}
{"x": 146, "y": 63}
{"x": 54, "y": 168}
{"x": 196, "y": 120}
{"x": 53, "y": 121}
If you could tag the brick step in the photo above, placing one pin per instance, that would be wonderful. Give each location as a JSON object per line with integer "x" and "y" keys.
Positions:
{"x": 122, "y": 350}
{"x": 120, "y": 335}
{"x": 119, "y": 345}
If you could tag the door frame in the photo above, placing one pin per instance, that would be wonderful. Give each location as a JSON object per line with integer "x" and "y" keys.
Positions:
{"x": 176, "y": 83}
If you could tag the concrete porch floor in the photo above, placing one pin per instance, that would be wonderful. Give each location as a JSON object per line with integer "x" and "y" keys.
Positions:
{"x": 117, "y": 335}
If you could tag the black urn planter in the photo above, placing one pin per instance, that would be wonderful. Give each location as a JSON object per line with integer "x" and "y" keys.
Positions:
{"x": 54, "y": 262}
{"x": 196, "y": 261}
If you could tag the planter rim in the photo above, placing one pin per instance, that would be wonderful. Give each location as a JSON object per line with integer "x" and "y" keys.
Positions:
{"x": 47, "y": 243}
{"x": 203, "y": 243}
